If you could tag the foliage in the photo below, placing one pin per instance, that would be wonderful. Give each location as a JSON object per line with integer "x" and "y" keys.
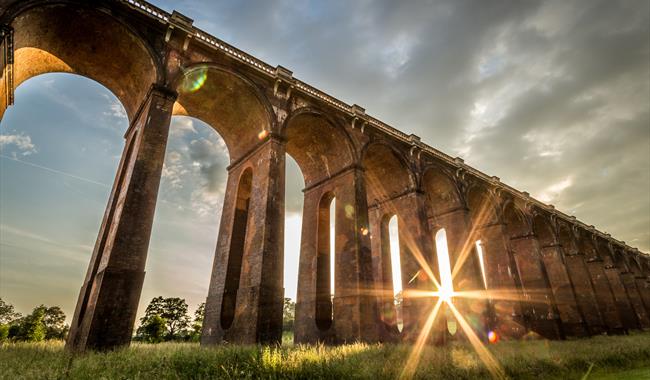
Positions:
{"x": 288, "y": 315}
{"x": 197, "y": 323}
{"x": 7, "y": 313}
{"x": 4, "y": 332}
{"x": 173, "y": 310}
{"x": 32, "y": 327}
{"x": 54, "y": 320}
{"x": 43, "y": 323}
{"x": 154, "y": 329}
{"x": 612, "y": 357}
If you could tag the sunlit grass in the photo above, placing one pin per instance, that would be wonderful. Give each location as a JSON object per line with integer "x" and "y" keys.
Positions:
{"x": 628, "y": 355}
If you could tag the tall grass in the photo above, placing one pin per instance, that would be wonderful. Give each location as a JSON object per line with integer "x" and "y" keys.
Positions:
{"x": 608, "y": 356}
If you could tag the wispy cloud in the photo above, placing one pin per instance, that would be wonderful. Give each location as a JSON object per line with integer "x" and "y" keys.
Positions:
{"x": 21, "y": 142}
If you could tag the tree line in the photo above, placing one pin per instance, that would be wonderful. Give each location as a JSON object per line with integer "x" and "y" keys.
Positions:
{"x": 164, "y": 320}
{"x": 43, "y": 323}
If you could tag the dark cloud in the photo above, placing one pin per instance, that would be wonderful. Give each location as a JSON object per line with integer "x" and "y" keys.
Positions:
{"x": 550, "y": 96}
{"x": 209, "y": 156}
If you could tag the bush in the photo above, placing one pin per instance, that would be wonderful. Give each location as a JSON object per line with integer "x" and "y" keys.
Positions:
{"x": 4, "y": 332}
{"x": 32, "y": 327}
{"x": 154, "y": 329}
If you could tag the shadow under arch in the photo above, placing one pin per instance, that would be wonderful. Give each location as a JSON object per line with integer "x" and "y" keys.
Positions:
{"x": 386, "y": 171}
{"x": 567, "y": 239}
{"x": 441, "y": 190}
{"x": 227, "y": 101}
{"x": 77, "y": 39}
{"x": 482, "y": 207}
{"x": 320, "y": 146}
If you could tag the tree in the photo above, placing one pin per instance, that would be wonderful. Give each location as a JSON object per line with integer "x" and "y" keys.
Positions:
{"x": 197, "y": 324}
{"x": 4, "y": 332}
{"x": 154, "y": 329}
{"x": 31, "y": 328}
{"x": 8, "y": 316}
{"x": 54, "y": 320}
{"x": 288, "y": 314}
{"x": 173, "y": 311}
{"x": 7, "y": 313}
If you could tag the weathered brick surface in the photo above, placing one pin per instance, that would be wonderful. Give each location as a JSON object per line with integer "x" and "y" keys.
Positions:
{"x": 585, "y": 295}
{"x": 259, "y": 294}
{"x": 501, "y": 276}
{"x": 108, "y": 300}
{"x": 355, "y": 310}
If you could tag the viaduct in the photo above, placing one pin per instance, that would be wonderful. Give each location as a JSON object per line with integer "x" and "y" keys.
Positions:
{"x": 569, "y": 279}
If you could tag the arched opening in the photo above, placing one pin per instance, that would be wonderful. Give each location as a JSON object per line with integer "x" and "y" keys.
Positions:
{"x": 88, "y": 42}
{"x": 446, "y": 290}
{"x": 294, "y": 183}
{"x": 227, "y": 102}
{"x": 441, "y": 192}
{"x": 187, "y": 217}
{"x": 396, "y": 269}
{"x": 233, "y": 273}
{"x": 485, "y": 228}
{"x": 444, "y": 264}
{"x": 56, "y": 170}
{"x": 391, "y": 273}
{"x": 480, "y": 254}
{"x": 325, "y": 262}
{"x": 396, "y": 227}
{"x": 323, "y": 152}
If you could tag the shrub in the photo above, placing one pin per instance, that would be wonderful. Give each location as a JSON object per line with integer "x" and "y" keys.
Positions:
{"x": 4, "y": 332}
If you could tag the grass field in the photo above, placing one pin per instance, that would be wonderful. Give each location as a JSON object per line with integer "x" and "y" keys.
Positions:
{"x": 619, "y": 357}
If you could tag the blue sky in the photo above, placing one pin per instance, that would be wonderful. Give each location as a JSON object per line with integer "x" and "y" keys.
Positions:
{"x": 553, "y": 97}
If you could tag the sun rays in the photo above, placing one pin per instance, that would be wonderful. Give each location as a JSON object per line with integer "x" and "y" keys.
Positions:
{"x": 442, "y": 271}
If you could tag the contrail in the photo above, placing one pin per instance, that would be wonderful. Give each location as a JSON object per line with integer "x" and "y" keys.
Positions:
{"x": 55, "y": 171}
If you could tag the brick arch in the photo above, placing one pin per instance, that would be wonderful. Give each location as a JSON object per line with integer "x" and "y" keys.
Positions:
{"x": 320, "y": 146}
{"x": 482, "y": 205}
{"x": 442, "y": 192}
{"x": 516, "y": 220}
{"x": 544, "y": 230}
{"x": 586, "y": 244}
{"x": 646, "y": 266}
{"x": 89, "y": 42}
{"x": 635, "y": 264}
{"x": 387, "y": 172}
{"x": 566, "y": 238}
{"x": 227, "y": 101}
{"x": 602, "y": 247}
{"x": 620, "y": 259}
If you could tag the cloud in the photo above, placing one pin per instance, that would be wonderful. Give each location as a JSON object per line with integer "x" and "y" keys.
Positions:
{"x": 206, "y": 156}
{"x": 115, "y": 107}
{"x": 174, "y": 169}
{"x": 181, "y": 126}
{"x": 533, "y": 92}
{"x": 21, "y": 142}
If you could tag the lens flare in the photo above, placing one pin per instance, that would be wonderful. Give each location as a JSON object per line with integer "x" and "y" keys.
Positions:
{"x": 262, "y": 135}
{"x": 493, "y": 337}
{"x": 194, "y": 79}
